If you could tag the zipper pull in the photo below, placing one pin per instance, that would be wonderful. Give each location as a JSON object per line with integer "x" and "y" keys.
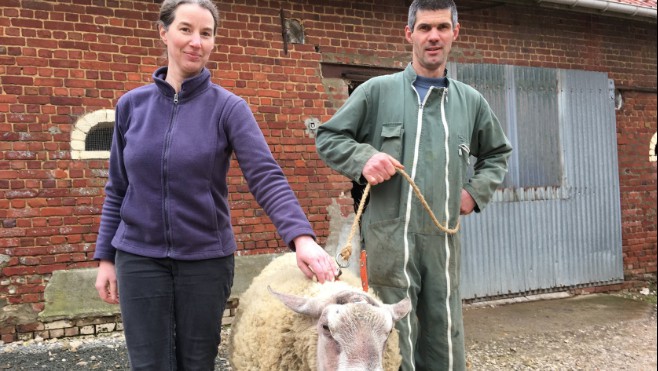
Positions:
{"x": 464, "y": 147}
{"x": 176, "y": 98}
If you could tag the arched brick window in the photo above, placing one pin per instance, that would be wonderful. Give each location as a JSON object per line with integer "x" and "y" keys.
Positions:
{"x": 92, "y": 136}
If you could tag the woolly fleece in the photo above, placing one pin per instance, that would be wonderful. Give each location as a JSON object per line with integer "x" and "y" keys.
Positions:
{"x": 267, "y": 335}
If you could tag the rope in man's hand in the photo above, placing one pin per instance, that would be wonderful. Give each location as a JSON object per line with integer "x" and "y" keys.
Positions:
{"x": 346, "y": 252}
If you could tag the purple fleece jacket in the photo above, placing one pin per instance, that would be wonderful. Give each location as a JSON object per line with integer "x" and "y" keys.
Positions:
{"x": 166, "y": 195}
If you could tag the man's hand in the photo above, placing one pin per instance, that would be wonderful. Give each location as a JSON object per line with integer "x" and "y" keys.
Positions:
{"x": 380, "y": 168}
{"x": 106, "y": 282}
{"x": 468, "y": 203}
{"x": 313, "y": 260}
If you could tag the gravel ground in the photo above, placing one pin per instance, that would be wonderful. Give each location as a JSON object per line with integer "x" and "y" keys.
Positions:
{"x": 618, "y": 345}
{"x": 106, "y": 352}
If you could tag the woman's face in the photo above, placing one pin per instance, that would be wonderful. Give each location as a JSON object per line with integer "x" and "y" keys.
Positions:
{"x": 190, "y": 38}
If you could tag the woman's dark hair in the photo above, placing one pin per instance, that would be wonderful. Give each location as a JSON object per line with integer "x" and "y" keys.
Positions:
{"x": 168, "y": 11}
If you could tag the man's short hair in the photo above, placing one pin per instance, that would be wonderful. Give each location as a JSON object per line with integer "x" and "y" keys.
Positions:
{"x": 431, "y": 5}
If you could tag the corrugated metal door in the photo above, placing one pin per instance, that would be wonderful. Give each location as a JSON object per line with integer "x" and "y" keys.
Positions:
{"x": 557, "y": 221}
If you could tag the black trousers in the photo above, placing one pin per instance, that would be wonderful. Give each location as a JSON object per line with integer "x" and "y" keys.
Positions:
{"x": 172, "y": 310}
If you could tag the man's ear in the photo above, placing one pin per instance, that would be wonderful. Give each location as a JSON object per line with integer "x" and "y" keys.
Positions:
{"x": 455, "y": 32}
{"x": 407, "y": 33}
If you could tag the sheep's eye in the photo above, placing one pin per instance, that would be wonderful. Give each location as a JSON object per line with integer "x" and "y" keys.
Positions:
{"x": 326, "y": 330}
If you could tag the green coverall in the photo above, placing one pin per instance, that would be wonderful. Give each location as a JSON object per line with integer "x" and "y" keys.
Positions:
{"x": 408, "y": 256}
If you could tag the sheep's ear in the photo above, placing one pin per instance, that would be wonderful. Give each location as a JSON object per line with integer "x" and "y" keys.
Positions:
{"x": 400, "y": 309}
{"x": 301, "y": 305}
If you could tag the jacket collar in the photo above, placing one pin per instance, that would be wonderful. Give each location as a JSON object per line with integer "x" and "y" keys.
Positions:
{"x": 190, "y": 88}
{"x": 411, "y": 75}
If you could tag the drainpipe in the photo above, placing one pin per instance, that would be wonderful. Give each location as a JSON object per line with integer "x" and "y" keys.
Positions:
{"x": 608, "y": 6}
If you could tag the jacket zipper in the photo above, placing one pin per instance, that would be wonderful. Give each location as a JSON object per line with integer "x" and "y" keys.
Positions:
{"x": 165, "y": 178}
{"x": 444, "y": 99}
{"x": 444, "y": 122}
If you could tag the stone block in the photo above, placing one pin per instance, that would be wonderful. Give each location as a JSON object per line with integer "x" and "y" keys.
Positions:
{"x": 105, "y": 328}
{"x": 87, "y": 330}
{"x": 58, "y": 325}
{"x": 71, "y": 331}
{"x": 57, "y": 333}
{"x": 70, "y": 294}
{"x": 25, "y": 336}
{"x": 246, "y": 268}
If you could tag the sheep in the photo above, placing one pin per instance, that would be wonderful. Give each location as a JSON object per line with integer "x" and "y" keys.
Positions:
{"x": 330, "y": 326}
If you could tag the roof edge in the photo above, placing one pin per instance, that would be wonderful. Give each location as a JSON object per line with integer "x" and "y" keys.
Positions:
{"x": 607, "y": 6}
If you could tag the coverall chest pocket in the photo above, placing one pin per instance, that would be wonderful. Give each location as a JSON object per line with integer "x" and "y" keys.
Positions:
{"x": 391, "y": 138}
{"x": 464, "y": 154}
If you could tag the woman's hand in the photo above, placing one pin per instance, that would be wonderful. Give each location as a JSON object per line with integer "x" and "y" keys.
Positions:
{"x": 106, "y": 282}
{"x": 313, "y": 260}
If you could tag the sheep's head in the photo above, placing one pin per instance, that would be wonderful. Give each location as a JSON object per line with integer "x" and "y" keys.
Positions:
{"x": 352, "y": 327}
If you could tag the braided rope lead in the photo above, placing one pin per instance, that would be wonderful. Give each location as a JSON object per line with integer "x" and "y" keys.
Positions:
{"x": 346, "y": 252}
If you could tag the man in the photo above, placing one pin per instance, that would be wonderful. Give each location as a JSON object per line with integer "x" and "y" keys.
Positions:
{"x": 429, "y": 125}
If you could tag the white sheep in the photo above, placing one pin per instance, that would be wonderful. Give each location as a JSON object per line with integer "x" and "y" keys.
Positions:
{"x": 332, "y": 326}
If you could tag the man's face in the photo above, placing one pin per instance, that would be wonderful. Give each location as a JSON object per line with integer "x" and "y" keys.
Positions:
{"x": 431, "y": 39}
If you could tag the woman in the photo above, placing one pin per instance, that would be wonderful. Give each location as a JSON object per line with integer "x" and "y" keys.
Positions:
{"x": 165, "y": 236}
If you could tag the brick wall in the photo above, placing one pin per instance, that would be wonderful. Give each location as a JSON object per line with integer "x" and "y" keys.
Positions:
{"x": 636, "y": 124}
{"x": 60, "y": 60}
